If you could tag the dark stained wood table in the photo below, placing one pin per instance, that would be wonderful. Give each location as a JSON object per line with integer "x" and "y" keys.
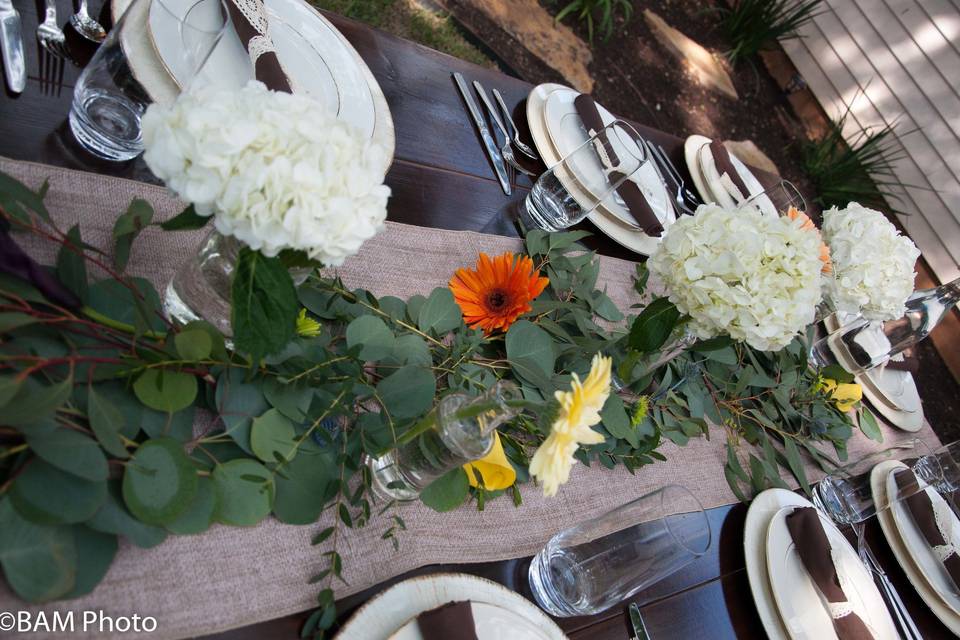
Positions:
{"x": 441, "y": 178}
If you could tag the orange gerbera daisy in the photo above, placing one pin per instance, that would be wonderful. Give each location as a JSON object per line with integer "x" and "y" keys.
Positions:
{"x": 498, "y": 291}
{"x": 807, "y": 225}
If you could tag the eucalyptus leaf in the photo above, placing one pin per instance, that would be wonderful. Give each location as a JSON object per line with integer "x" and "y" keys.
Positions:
{"x": 238, "y": 402}
{"x": 35, "y": 401}
{"x": 440, "y": 313}
{"x": 447, "y": 492}
{"x": 302, "y": 491}
{"x": 616, "y": 421}
{"x": 159, "y": 482}
{"x": 95, "y": 553}
{"x": 126, "y": 229}
{"x": 186, "y": 220}
{"x": 39, "y": 562}
{"x": 71, "y": 267}
{"x": 193, "y": 344}
{"x": 72, "y": 452}
{"x": 372, "y": 335}
{"x": 165, "y": 389}
{"x": 44, "y": 494}
{"x": 272, "y": 436}
{"x": 106, "y": 420}
{"x": 869, "y": 426}
{"x": 530, "y": 350}
{"x": 113, "y": 517}
{"x": 408, "y": 392}
{"x": 116, "y": 301}
{"x": 245, "y": 492}
{"x": 198, "y": 516}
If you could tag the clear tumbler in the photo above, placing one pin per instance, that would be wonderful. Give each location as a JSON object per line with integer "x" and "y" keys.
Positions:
{"x": 109, "y": 99}
{"x": 596, "y": 564}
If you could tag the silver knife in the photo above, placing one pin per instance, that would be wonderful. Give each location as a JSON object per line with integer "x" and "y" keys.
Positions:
{"x": 11, "y": 43}
{"x": 492, "y": 151}
{"x": 639, "y": 629}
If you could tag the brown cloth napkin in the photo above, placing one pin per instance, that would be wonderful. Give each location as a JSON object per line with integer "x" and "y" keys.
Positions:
{"x": 921, "y": 508}
{"x": 452, "y": 621}
{"x": 637, "y": 205}
{"x": 909, "y": 363}
{"x": 250, "y": 20}
{"x": 814, "y": 549}
{"x": 721, "y": 158}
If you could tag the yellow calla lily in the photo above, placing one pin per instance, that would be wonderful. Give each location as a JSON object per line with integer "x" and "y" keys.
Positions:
{"x": 496, "y": 470}
{"x": 845, "y": 396}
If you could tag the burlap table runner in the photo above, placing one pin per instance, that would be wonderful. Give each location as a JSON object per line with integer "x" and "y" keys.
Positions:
{"x": 230, "y": 577}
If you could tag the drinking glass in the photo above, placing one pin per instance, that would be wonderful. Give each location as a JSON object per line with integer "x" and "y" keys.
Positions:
{"x": 109, "y": 101}
{"x": 594, "y": 565}
{"x": 946, "y": 461}
{"x": 777, "y": 198}
{"x": 846, "y": 495}
{"x": 862, "y": 344}
{"x": 575, "y": 186}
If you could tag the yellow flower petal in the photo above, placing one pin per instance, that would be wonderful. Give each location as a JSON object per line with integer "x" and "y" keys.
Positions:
{"x": 496, "y": 470}
{"x": 306, "y": 326}
{"x": 846, "y": 396}
{"x": 579, "y": 410}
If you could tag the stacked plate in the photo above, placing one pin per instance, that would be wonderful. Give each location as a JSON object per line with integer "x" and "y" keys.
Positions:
{"x": 914, "y": 554}
{"x": 497, "y": 612}
{"x": 319, "y": 62}
{"x": 891, "y": 392}
{"x": 788, "y": 602}
{"x": 716, "y": 188}
{"x": 557, "y": 130}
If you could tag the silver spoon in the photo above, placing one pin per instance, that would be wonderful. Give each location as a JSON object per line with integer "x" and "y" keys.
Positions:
{"x": 87, "y": 26}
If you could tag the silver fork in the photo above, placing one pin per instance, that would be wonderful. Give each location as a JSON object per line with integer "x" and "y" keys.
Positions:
{"x": 517, "y": 142}
{"x": 685, "y": 198}
{"x": 53, "y": 49}
{"x": 506, "y": 151}
{"x": 907, "y": 626}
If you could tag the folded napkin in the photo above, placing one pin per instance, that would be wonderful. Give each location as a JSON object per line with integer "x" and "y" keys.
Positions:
{"x": 452, "y": 621}
{"x": 814, "y": 549}
{"x": 921, "y": 508}
{"x": 721, "y": 158}
{"x": 637, "y": 205}
{"x": 249, "y": 18}
{"x": 908, "y": 362}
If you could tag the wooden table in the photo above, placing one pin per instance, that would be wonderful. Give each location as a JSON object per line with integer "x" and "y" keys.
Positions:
{"x": 441, "y": 178}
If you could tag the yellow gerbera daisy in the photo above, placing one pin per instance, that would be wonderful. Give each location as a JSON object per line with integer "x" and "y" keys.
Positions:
{"x": 579, "y": 410}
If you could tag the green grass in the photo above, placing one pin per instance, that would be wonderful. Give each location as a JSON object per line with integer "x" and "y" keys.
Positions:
{"x": 859, "y": 171}
{"x": 589, "y": 10}
{"x": 751, "y": 25}
{"x": 408, "y": 19}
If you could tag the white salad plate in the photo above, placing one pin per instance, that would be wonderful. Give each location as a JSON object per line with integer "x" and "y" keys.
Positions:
{"x": 799, "y": 601}
{"x": 878, "y": 485}
{"x": 624, "y": 235}
{"x": 761, "y": 512}
{"x": 567, "y": 133}
{"x": 691, "y": 153}
{"x": 319, "y": 61}
{"x": 917, "y": 546}
{"x": 498, "y": 612}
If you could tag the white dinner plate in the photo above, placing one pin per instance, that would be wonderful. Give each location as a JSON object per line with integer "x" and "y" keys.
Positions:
{"x": 392, "y": 610}
{"x": 759, "y": 515}
{"x": 691, "y": 153}
{"x": 491, "y": 622}
{"x": 320, "y": 62}
{"x": 917, "y": 546}
{"x": 620, "y": 233}
{"x": 567, "y": 133}
{"x": 878, "y": 484}
{"x": 798, "y": 599}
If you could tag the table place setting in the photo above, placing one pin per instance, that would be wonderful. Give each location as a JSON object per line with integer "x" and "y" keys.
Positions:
{"x": 249, "y": 375}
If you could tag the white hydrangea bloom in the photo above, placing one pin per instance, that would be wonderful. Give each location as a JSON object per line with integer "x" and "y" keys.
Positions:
{"x": 741, "y": 273}
{"x": 872, "y": 263}
{"x": 276, "y": 170}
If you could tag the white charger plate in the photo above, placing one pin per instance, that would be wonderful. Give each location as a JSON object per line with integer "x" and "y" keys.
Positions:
{"x": 625, "y": 236}
{"x": 878, "y": 485}
{"x": 917, "y": 546}
{"x": 759, "y": 515}
{"x": 491, "y": 622}
{"x": 567, "y": 133}
{"x": 798, "y": 599}
{"x": 392, "y": 610}
{"x": 320, "y": 61}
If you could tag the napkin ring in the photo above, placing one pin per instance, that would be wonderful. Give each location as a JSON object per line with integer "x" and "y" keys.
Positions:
{"x": 839, "y": 610}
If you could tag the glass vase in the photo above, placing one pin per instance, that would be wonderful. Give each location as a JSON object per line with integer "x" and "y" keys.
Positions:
{"x": 862, "y": 344}
{"x": 200, "y": 290}
{"x": 462, "y": 431}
